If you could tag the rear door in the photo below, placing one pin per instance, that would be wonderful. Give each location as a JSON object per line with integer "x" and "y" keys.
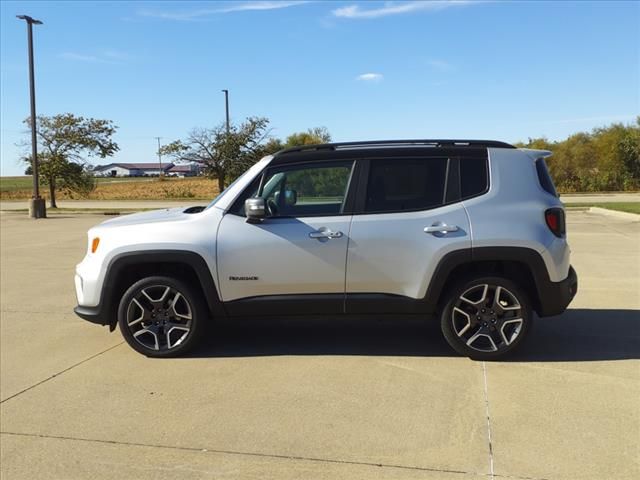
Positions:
{"x": 408, "y": 217}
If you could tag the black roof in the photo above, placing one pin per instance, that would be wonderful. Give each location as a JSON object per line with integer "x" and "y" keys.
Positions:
{"x": 378, "y": 144}
{"x": 386, "y": 149}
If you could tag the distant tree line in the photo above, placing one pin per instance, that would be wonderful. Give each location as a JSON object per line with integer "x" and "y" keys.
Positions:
{"x": 605, "y": 159}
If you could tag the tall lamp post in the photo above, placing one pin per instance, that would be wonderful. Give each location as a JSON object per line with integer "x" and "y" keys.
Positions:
{"x": 226, "y": 107}
{"x": 161, "y": 173}
{"x": 37, "y": 207}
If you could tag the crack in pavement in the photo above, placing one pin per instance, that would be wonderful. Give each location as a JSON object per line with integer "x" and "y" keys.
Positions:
{"x": 57, "y": 374}
{"x": 486, "y": 403}
{"x": 45, "y": 310}
{"x": 267, "y": 455}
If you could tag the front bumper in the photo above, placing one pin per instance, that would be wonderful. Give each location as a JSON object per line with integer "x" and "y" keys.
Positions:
{"x": 88, "y": 285}
{"x": 555, "y": 297}
{"x": 93, "y": 315}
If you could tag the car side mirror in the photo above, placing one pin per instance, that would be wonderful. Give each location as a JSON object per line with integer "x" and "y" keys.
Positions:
{"x": 254, "y": 209}
{"x": 290, "y": 197}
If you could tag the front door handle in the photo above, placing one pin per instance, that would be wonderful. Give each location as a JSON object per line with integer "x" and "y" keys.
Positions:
{"x": 325, "y": 234}
{"x": 441, "y": 228}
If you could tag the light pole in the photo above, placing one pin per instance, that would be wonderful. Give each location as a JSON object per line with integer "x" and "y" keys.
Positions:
{"x": 159, "y": 156}
{"x": 226, "y": 106}
{"x": 37, "y": 208}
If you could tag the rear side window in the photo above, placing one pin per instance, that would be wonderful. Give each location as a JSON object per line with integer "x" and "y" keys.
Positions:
{"x": 544, "y": 177}
{"x": 397, "y": 184}
{"x": 474, "y": 176}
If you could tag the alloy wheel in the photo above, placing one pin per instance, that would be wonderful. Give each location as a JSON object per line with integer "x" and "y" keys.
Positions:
{"x": 159, "y": 317}
{"x": 487, "y": 318}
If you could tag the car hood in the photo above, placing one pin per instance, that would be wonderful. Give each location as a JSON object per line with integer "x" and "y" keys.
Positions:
{"x": 154, "y": 216}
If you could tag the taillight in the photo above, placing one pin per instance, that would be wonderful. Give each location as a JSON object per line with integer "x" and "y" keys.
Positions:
{"x": 555, "y": 221}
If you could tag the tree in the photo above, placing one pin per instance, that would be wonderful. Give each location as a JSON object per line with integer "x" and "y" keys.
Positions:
{"x": 311, "y": 137}
{"x": 63, "y": 141}
{"x": 605, "y": 159}
{"x": 629, "y": 151}
{"x": 224, "y": 155}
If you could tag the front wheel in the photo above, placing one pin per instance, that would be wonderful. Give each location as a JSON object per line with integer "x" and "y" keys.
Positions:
{"x": 486, "y": 318}
{"x": 161, "y": 317}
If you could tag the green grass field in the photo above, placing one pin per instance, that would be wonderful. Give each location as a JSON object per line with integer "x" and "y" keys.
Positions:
{"x": 629, "y": 207}
{"x": 9, "y": 184}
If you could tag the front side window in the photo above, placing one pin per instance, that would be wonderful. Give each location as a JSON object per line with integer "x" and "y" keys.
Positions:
{"x": 398, "y": 184}
{"x": 306, "y": 190}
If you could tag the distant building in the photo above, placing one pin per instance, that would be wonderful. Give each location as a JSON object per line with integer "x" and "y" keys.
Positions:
{"x": 186, "y": 170}
{"x": 145, "y": 170}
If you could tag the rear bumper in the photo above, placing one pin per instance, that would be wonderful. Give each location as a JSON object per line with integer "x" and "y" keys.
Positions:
{"x": 555, "y": 297}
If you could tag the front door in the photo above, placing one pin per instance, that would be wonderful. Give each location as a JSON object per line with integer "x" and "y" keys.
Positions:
{"x": 297, "y": 253}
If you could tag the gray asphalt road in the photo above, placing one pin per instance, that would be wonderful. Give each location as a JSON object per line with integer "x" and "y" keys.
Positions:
{"x": 318, "y": 399}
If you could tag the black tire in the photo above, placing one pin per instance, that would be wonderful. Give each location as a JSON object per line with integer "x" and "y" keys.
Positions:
{"x": 162, "y": 323}
{"x": 490, "y": 327}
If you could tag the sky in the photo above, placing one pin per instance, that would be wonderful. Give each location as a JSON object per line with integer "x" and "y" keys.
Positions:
{"x": 365, "y": 70}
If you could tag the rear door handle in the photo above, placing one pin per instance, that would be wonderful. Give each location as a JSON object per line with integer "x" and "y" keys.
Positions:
{"x": 441, "y": 228}
{"x": 325, "y": 234}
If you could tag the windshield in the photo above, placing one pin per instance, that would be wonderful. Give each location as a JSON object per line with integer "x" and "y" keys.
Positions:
{"x": 240, "y": 180}
{"x": 219, "y": 196}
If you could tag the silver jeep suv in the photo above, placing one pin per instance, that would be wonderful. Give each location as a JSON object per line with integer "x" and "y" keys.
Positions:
{"x": 471, "y": 232}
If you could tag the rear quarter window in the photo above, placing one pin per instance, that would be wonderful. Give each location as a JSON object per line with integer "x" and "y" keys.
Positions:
{"x": 474, "y": 176}
{"x": 544, "y": 177}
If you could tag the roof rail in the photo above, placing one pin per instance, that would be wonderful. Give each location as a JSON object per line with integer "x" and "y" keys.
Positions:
{"x": 396, "y": 143}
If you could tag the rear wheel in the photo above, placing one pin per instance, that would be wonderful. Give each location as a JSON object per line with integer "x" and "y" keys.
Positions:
{"x": 161, "y": 317}
{"x": 486, "y": 318}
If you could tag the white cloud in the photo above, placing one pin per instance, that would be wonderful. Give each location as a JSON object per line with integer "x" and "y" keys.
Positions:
{"x": 395, "y": 8}
{"x": 112, "y": 57}
{"x": 79, "y": 57}
{"x": 275, "y": 5}
{"x": 230, "y": 7}
{"x": 370, "y": 77}
{"x": 440, "y": 65}
{"x": 116, "y": 55}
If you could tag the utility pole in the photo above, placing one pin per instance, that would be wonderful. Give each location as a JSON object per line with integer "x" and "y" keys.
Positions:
{"x": 226, "y": 105}
{"x": 159, "y": 155}
{"x": 37, "y": 208}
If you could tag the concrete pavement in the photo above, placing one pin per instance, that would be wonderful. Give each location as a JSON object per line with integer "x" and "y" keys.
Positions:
{"x": 600, "y": 197}
{"x": 9, "y": 205}
{"x": 318, "y": 399}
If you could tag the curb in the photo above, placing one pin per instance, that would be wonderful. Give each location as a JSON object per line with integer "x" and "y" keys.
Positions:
{"x": 577, "y": 209}
{"x": 614, "y": 213}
